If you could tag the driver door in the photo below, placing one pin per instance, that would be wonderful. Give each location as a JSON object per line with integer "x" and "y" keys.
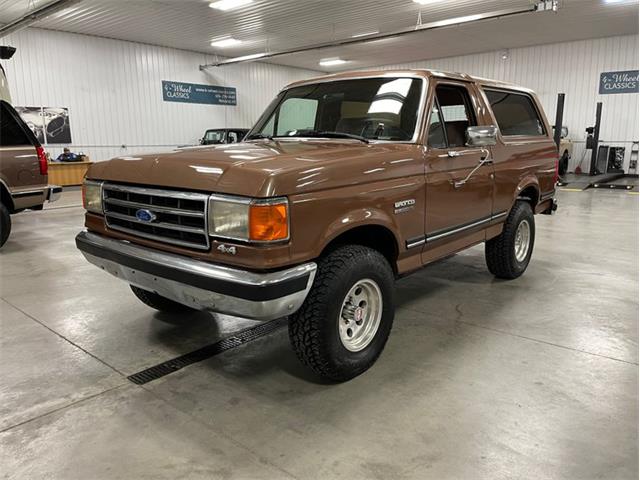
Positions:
{"x": 459, "y": 184}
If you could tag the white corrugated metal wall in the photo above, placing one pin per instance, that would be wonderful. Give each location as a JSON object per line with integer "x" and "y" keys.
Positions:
{"x": 114, "y": 93}
{"x": 572, "y": 68}
{"x": 113, "y": 88}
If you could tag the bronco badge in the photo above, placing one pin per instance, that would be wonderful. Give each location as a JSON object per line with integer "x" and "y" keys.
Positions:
{"x": 404, "y": 205}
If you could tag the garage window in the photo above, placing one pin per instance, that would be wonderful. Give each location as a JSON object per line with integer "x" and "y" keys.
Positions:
{"x": 515, "y": 113}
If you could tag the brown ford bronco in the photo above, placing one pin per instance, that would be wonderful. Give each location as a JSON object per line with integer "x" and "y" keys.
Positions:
{"x": 23, "y": 170}
{"x": 345, "y": 183}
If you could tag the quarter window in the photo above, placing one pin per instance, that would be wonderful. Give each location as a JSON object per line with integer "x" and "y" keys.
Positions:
{"x": 515, "y": 113}
{"x": 11, "y": 132}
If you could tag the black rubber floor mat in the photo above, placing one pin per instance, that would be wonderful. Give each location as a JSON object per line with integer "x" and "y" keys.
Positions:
{"x": 175, "y": 364}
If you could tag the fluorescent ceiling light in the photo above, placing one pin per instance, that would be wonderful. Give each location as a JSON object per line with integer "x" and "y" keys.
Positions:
{"x": 366, "y": 34}
{"x": 229, "y": 4}
{"x": 426, "y": 2}
{"x": 331, "y": 62}
{"x": 225, "y": 42}
{"x": 253, "y": 56}
{"x": 456, "y": 20}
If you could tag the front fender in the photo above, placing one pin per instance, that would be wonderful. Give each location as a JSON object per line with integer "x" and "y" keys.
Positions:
{"x": 360, "y": 218}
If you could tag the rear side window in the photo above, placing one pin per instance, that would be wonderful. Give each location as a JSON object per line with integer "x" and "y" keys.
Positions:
{"x": 515, "y": 113}
{"x": 12, "y": 132}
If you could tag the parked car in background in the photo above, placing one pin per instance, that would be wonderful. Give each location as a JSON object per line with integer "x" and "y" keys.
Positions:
{"x": 23, "y": 164}
{"x": 565, "y": 151}
{"x": 344, "y": 184}
{"x": 216, "y": 136}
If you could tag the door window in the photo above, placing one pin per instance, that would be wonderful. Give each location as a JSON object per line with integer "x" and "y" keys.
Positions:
{"x": 456, "y": 113}
{"x": 437, "y": 138}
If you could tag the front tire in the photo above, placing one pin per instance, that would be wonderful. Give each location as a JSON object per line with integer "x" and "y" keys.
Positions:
{"x": 343, "y": 325}
{"x": 508, "y": 254}
{"x": 159, "y": 302}
{"x": 5, "y": 224}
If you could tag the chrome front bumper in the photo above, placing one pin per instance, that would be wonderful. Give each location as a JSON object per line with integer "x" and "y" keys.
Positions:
{"x": 201, "y": 285}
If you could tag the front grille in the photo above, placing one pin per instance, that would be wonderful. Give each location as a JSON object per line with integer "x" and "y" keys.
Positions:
{"x": 180, "y": 217}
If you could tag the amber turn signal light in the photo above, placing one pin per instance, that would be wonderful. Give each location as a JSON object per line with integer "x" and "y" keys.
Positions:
{"x": 268, "y": 222}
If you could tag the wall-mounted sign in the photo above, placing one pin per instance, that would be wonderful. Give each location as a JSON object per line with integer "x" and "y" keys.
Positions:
{"x": 619, "y": 82}
{"x": 197, "y": 93}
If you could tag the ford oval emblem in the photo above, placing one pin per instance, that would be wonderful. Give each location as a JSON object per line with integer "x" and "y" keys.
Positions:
{"x": 145, "y": 215}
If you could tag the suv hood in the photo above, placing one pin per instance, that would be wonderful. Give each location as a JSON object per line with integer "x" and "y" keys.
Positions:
{"x": 259, "y": 168}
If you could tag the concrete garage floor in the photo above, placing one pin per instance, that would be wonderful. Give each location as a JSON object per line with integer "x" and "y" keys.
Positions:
{"x": 535, "y": 378}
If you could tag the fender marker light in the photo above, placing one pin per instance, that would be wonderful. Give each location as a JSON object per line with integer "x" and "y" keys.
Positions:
{"x": 268, "y": 222}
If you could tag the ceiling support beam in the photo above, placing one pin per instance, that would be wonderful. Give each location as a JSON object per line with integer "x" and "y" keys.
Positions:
{"x": 35, "y": 15}
{"x": 421, "y": 27}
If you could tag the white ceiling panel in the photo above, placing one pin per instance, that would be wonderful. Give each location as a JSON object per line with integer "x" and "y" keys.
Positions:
{"x": 272, "y": 25}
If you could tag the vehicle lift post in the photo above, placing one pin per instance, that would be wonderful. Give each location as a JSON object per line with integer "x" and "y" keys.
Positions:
{"x": 596, "y": 140}
{"x": 559, "y": 114}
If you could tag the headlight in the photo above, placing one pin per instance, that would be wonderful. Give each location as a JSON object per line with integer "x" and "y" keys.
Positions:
{"x": 92, "y": 196}
{"x": 244, "y": 219}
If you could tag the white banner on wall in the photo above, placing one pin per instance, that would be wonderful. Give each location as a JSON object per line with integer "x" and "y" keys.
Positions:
{"x": 50, "y": 125}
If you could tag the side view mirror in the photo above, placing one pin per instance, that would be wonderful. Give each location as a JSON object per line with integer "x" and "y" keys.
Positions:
{"x": 484, "y": 136}
{"x": 6, "y": 52}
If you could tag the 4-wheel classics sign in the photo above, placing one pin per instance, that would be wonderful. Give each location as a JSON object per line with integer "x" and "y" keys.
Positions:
{"x": 619, "y": 82}
{"x": 197, "y": 93}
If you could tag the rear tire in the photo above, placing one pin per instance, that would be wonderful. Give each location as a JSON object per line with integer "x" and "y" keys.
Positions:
{"x": 5, "y": 224}
{"x": 343, "y": 325}
{"x": 508, "y": 254}
{"x": 159, "y": 302}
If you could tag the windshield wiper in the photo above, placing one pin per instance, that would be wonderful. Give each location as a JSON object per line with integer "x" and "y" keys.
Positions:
{"x": 317, "y": 134}
{"x": 255, "y": 136}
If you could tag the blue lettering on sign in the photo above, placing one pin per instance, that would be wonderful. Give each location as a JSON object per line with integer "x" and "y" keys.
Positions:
{"x": 619, "y": 82}
{"x": 198, "y": 93}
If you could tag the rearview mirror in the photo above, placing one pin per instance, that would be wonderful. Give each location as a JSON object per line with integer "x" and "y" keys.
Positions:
{"x": 484, "y": 136}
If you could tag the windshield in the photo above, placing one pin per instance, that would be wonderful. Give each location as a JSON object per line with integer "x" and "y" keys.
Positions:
{"x": 214, "y": 136}
{"x": 368, "y": 108}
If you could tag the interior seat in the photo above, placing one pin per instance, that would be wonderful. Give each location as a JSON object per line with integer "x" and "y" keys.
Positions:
{"x": 457, "y": 133}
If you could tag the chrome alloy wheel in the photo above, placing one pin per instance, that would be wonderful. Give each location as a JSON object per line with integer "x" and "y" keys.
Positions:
{"x": 360, "y": 315}
{"x": 523, "y": 240}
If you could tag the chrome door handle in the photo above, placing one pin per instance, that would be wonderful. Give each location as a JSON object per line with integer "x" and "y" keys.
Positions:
{"x": 453, "y": 153}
